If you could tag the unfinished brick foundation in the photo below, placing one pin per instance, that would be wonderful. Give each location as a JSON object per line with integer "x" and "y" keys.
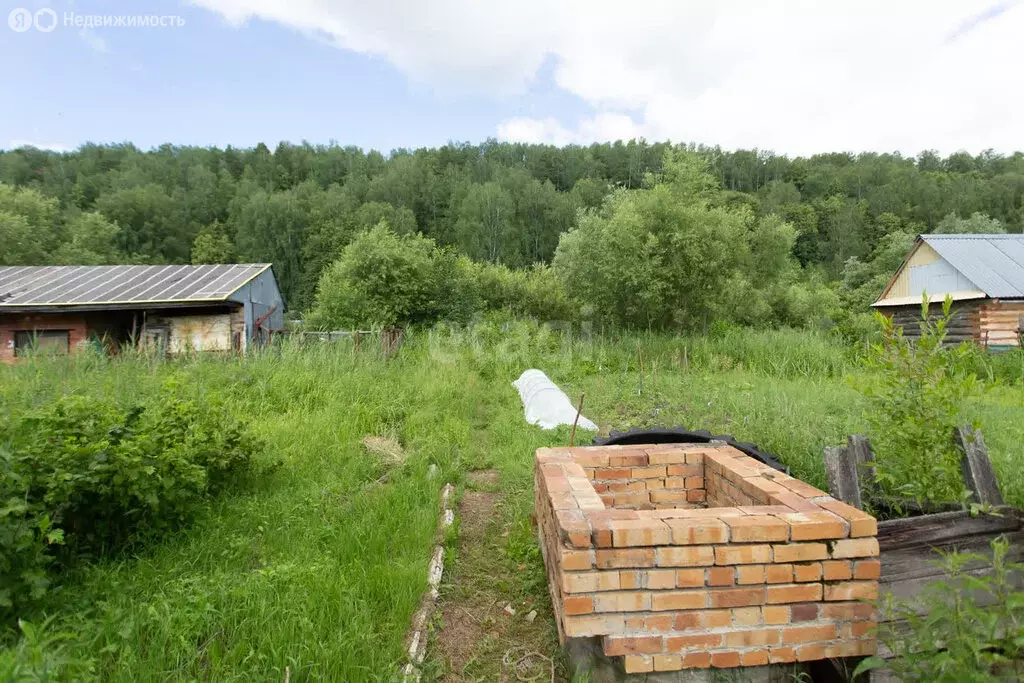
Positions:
{"x": 693, "y": 556}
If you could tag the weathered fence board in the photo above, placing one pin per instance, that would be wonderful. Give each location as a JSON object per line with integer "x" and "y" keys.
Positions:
{"x": 911, "y": 548}
{"x": 976, "y": 467}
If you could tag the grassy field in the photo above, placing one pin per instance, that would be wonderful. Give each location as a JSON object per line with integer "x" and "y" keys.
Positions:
{"x": 318, "y": 568}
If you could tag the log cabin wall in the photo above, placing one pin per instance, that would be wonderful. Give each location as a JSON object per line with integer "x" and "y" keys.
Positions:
{"x": 964, "y": 326}
{"x": 1001, "y": 322}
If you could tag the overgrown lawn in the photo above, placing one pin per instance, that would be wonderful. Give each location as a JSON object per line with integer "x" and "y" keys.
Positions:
{"x": 318, "y": 567}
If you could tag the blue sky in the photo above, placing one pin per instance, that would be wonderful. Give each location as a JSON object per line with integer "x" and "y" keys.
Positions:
{"x": 208, "y": 83}
{"x": 780, "y": 75}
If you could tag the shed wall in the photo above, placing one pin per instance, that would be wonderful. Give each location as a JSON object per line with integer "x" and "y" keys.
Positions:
{"x": 922, "y": 256}
{"x": 78, "y": 332}
{"x": 927, "y": 271}
{"x": 1001, "y": 322}
{"x": 965, "y": 324}
{"x": 259, "y": 296}
{"x": 199, "y": 333}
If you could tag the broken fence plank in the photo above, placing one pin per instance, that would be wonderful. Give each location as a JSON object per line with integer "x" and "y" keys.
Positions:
{"x": 976, "y": 467}
{"x": 841, "y": 471}
{"x": 859, "y": 448}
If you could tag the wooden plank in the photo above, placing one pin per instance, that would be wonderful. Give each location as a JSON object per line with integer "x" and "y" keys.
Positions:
{"x": 912, "y": 548}
{"x": 859, "y": 448}
{"x": 944, "y": 528}
{"x": 979, "y": 476}
{"x": 841, "y": 472}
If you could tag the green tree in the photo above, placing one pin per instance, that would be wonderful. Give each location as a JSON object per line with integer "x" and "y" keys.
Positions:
{"x": 145, "y": 215}
{"x": 383, "y": 279}
{"x": 88, "y": 239}
{"x": 28, "y": 226}
{"x": 977, "y": 224}
{"x": 212, "y": 245}
{"x": 658, "y": 257}
{"x": 485, "y": 222}
{"x": 863, "y": 281}
{"x": 916, "y": 391}
{"x": 272, "y": 227}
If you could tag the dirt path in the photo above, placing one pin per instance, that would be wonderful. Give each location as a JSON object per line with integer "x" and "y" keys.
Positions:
{"x": 492, "y": 624}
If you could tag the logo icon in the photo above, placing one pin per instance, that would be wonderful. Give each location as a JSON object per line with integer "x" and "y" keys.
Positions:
{"x": 46, "y": 20}
{"x": 20, "y": 19}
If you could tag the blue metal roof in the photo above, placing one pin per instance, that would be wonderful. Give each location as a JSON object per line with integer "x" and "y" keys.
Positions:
{"x": 64, "y": 286}
{"x": 995, "y": 263}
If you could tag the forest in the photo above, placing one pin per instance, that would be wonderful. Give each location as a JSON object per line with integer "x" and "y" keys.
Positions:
{"x": 538, "y": 228}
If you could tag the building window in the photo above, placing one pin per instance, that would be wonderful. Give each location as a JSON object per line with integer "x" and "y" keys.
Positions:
{"x": 42, "y": 341}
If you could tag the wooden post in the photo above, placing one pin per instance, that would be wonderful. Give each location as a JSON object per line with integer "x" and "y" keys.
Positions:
{"x": 859, "y": 448}
{"x": 979, "y": 476}
{"x": 841, "y": 471}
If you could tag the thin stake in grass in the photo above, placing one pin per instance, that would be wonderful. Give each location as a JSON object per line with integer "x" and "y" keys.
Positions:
{"x": 579, "y": 409}
{"x": 640, "y": 361}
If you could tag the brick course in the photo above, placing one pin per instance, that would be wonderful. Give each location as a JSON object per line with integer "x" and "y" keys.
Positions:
{"x": 692, "y": 556}
{"x": 78, "y": 332}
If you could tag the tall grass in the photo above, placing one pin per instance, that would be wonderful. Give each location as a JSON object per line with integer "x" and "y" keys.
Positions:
{"x": 319, "y": 568}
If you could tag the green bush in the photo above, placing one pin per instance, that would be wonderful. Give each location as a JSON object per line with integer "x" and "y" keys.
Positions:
{"x": 965, "y": 628}
{"x": 678, "y": 255}
{"x": 916, "y": 392}
{"x": 536, "y": 292}
{"x": 86, "y": 476}
{"x": 385, "y": 280}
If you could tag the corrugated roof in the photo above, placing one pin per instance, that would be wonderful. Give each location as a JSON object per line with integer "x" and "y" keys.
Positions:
{"x": 64, "y": 286}
{"x": 995, "y": 263}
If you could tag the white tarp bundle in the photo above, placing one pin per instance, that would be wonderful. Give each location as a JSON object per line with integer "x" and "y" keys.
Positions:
{"x": 546, "y": 405}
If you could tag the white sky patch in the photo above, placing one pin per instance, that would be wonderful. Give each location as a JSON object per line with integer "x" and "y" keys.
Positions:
{"x": 796, "y": 76}
{"x": 49, "y": 146}
{"x": 93, "y": 40}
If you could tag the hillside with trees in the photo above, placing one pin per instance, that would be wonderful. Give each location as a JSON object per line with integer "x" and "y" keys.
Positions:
{"x": 638, "y": 230}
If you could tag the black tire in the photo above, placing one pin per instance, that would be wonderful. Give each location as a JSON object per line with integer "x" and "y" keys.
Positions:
{"x": 655, "y": 435}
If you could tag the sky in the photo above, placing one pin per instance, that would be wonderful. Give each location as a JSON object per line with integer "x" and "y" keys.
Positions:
{"x": 794, "y": 77}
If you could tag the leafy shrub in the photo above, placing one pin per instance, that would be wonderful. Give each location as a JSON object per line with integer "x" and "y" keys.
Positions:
{"x": 536, "y": 292}
{"x": 995, "y": 367}
{"x": 915, "y": 393}
{"x": 679, "y": 255}
{"x": 85, "y": 476}
{"x": 966, "y": 628}
{"x": 384, "y": 280}
{"x": 41, "y": 655}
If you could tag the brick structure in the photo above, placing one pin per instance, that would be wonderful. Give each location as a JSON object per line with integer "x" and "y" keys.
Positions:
{"x": 693, "y": 556}
{"x": 78, "y": 332}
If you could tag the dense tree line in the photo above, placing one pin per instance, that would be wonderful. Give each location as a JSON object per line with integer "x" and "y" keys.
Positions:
{"x": 842, "y": 218}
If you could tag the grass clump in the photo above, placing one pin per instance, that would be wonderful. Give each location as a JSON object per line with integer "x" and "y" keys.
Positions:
{"x": 82, "y": 476}
{"x": 966, "y": 627}
{"x": 317, "y": 568}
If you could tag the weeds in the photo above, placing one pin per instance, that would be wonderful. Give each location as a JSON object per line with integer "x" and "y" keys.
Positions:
{"x": 314, "y": 569}
{"x": 968, "y": 627}
{"x": 916, "y": 393}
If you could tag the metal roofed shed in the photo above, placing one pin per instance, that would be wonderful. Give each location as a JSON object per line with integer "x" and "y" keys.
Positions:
{"x": 983, "y": 274}
{"x": 171, "y": 308}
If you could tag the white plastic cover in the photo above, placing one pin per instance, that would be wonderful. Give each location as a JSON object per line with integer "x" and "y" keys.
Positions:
{"x": 546, "y": 405}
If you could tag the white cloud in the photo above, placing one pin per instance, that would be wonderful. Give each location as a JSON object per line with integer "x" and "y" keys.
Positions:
{"x": 49, "y": 146}
{"x": 93, "y": 40}
{"x": 797, "y": 76}
{"x": 604, "y": 126}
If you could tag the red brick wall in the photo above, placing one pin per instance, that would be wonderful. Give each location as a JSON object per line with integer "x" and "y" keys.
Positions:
{"x": 9, "y": 324}
{"x": 772, "y": 570}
